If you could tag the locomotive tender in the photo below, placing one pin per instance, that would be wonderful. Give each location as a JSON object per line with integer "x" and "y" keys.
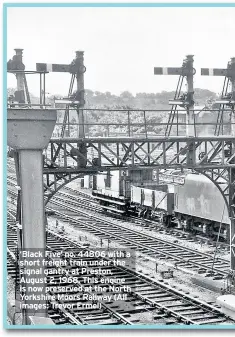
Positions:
{"x": 196, "y": 206}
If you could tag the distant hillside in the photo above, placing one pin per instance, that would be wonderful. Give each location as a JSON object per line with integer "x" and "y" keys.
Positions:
{"x": 143, "y": 100}
{"x": 106, "y": 100}
{"x": 148, "y": 101}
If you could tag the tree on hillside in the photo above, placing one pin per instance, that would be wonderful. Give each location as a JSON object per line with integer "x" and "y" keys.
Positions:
{"x": 204, "y": 94}
{"x": 126, "y": 94}
{"x": 108, "y": 94}
{"x": 98, "y": 93}
{"x": 89, "y": 93}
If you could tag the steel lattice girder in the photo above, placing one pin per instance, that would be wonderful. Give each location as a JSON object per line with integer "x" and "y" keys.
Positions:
{"x": 112, "y": 153}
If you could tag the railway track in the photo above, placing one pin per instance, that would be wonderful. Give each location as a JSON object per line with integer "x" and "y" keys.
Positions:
{"x": 87, "y": 201}
{"x": 153, "y": 224}
{"x": 149, "y": 302}
{"x": 59, "y": 317}
{"x": 156, "y": 248}
{"x": 146, "y": 244}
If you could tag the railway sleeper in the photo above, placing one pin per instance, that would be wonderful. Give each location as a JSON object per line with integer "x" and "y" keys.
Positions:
{"x": 161, "y": 299}
{"x": 105, "y": 322}
{"x": 211, "y": 321}
{"x": 189, "y": 312}
{"x": 206, "y": 315}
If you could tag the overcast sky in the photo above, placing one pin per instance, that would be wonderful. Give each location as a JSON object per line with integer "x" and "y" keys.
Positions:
{"x": 122, "y": 45}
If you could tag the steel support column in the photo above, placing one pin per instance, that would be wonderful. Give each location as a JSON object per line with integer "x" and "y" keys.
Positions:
{"x": 232, "y": 216}
{"x": 80, "y": 90}
{"x": 190, "y": 129}
{"x": 20, "y": 77}
{"x": 232, "y": 173}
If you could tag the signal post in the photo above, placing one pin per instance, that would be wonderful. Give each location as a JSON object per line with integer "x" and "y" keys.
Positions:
{"x": 186, "y": 71}
{"x": 227, "y": 100}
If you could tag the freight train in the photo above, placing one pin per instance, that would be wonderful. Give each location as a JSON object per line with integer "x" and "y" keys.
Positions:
{"x": 196, "y": 206}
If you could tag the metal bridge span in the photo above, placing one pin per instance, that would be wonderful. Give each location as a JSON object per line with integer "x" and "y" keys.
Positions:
{"x": 66, "y": 159}
{"x": 209, "y": 155}
{"x": 212, "y": 156}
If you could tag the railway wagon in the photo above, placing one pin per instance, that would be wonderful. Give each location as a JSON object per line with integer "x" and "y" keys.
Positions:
{"x": 196, "y": 206}
{"x": 157, "y": 202}
{"x": 113, "y": 189}
{"x": 109, "y": 183}
{"x": 86, "y": 181}
{"x": 199, "y": 207}
{"x": 111, "y": 192}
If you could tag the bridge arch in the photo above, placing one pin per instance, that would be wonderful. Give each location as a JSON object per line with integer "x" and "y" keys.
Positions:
{"x": 69, "y": 179}
{"x": 206, "y": 174}
{"x": 59, "y": 186}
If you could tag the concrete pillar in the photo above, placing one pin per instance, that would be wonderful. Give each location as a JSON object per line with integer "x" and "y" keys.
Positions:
{"x": 29, "y": 132}
{"x": 31, "y": 175}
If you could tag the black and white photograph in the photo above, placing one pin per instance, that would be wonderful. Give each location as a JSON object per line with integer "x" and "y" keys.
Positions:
{"x": 120, "y": 156}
